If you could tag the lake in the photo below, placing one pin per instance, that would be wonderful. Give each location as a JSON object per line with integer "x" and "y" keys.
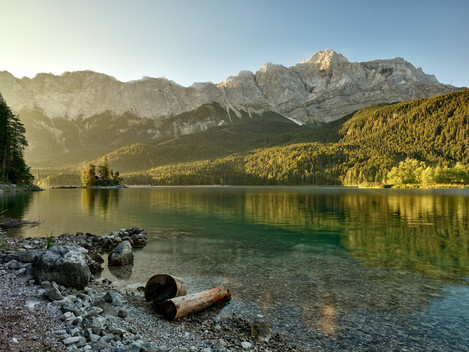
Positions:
{"x": 332, "y": 268}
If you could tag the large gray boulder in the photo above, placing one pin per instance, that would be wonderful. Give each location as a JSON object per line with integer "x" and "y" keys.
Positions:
{"x": 65, "y": 265}
{"x": 121, "y": 255}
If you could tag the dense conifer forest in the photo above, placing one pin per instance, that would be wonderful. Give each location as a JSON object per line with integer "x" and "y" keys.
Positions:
{"x": 424, "y": 141}
{"x": 13, "y": 168}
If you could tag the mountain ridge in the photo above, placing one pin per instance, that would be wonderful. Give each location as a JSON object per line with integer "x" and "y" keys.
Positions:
{"x": 87, "y": 93}
{"x": 59, "y": 112}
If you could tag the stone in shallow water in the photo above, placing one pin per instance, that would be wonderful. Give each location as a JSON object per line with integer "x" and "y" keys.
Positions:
{"x": 261, "y": 331}
{"x": 121, "y": 255}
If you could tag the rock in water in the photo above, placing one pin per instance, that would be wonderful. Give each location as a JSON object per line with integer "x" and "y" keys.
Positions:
{"x": 66, "y": 265}
{"x": 94, "y": 263}
{"x": 121, "y": 255}
{"x": 261, "y": 331}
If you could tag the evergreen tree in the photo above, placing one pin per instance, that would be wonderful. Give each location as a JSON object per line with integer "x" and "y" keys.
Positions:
{"x": 104, "y": 177}
{"x": 104, "y": 171}
{"x": 88, "y": 175}
{"x": 13, "y": 168}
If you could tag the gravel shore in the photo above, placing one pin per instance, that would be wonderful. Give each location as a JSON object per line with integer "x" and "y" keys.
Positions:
{"x": 102, "y": 318}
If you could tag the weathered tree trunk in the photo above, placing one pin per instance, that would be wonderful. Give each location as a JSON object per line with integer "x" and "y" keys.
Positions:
{"x": 162, "y": 287}
{"x": 178, "y": 307}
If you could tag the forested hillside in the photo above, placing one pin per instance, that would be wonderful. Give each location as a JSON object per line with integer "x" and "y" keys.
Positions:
{"x": 434, "y": 131}
{"x": 259, "y": 131}
{"x": 361, "y": 148}
{"x": 246, "y": 134}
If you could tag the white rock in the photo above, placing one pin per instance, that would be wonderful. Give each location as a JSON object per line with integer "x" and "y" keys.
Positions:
{"x": 246, "y": 345}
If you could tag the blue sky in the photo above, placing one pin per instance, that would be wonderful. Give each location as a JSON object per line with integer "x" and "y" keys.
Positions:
{"x": 210, "y": 40}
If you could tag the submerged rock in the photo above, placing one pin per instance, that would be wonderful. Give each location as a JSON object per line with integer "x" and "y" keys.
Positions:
{"x": 121, "y": 255}
{"x": 94, "y": 261}
{"x": 261, "y": 330}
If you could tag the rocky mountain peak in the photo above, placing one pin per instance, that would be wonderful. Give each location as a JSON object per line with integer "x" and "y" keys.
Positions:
{"x": 325, "y": 58}
{"x": 269, "y": 67}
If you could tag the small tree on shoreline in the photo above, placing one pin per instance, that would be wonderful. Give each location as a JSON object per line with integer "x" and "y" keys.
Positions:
{"x": 104, "y": 177}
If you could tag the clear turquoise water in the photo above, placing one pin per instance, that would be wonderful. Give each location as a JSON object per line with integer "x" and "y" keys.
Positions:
{"x": 333, "y": 268}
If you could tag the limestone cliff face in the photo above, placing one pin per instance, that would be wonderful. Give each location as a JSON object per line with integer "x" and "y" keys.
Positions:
{"x": 327, "y": 87}
{"x": 66, "y": 110}
{"x": 324, "y": 87}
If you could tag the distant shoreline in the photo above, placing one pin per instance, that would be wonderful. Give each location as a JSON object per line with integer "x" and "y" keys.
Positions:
{"x": 86, "y": 187}
{"x": 19, "y": 188}
{"x": 318, "y": 187}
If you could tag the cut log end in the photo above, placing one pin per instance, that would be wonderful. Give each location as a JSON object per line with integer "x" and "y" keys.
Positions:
{"x": 168, "y": 309}
{"x": 162, "y": 287}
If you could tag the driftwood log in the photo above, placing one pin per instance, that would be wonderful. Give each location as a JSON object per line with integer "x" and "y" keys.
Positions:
{"x": 162, "y": 287}
{"x": 178, "y": 307}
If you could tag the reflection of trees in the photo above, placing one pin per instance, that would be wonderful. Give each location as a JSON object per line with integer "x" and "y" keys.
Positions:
{"x": 292, "y": 210}
{"x": 303, "y": 265}
{"x": 103, "y": 199}
{"x": 428, "y": 234}
{"x": 418, "y": 231}
{"x": 15, "y": 203}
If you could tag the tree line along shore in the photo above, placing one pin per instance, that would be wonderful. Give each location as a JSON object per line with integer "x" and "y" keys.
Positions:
{"x": 419, "y": 143}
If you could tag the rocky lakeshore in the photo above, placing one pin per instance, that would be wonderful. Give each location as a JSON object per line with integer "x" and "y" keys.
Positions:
{"x": 40, "y": 314}
{"x": 15, "y": 188}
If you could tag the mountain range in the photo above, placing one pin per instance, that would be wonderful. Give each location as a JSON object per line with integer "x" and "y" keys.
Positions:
{"x": 82, "y": 115}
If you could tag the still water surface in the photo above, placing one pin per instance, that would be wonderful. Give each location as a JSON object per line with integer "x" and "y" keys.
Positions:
{"x": 332, "y": 268}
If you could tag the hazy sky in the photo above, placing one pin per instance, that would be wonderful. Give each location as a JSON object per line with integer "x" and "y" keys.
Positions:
{"x": 209, "y": 40}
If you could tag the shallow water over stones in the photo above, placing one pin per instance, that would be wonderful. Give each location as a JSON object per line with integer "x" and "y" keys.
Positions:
{"x": 334, "y": 269}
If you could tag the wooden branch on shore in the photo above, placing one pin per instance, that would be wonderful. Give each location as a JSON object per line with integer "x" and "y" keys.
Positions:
{"x": 162, "y": 287}
{"x": 178, "y": 307}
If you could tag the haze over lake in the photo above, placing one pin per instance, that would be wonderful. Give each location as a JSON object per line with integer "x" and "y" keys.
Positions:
{"x": 330, "y": 267}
